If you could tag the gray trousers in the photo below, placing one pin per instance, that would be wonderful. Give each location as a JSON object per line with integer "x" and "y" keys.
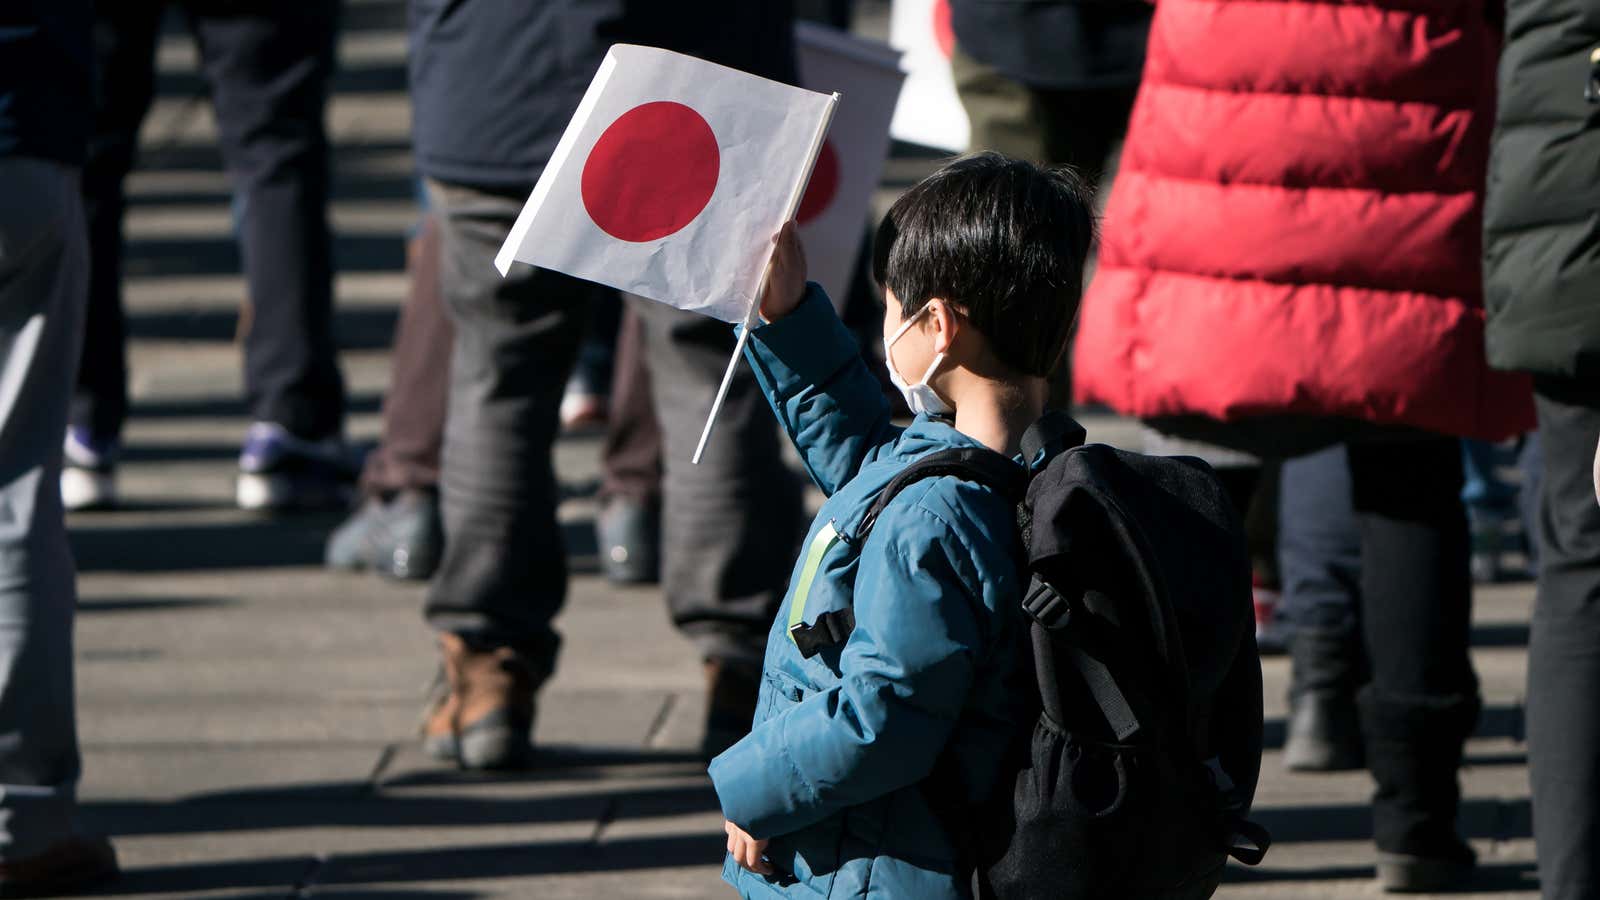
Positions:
{"x": 1564, "y": 646}
{"x": 43, "y": 269}
{"x": 731, "y": 526}
{"x": 503, "y": 578}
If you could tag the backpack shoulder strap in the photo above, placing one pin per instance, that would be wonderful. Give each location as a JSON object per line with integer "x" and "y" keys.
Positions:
{"x": 979, "y": 464}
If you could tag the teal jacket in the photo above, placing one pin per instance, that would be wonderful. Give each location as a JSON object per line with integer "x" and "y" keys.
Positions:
{"x": 833, "y": 772}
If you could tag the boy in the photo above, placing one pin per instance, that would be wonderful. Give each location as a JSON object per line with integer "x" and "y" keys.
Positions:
{"x": 982, "y": 265}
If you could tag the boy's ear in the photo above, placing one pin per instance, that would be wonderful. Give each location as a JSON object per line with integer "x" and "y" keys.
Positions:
{"x": 945, "y": 322}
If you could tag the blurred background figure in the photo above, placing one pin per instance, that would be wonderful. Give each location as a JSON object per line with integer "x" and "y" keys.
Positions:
{"x": 395, "y": 528}
{"x": 492, "y": 93}
{"x": 45, "y": 66}
{"x": 267, "y": 66}
{"x": 1052, "y": 82}
{"x": 1541, "y": 266}
{"x": 1279, "y": 278}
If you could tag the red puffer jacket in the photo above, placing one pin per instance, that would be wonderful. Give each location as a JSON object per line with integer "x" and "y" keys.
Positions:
{"x": 1295, "y": 227}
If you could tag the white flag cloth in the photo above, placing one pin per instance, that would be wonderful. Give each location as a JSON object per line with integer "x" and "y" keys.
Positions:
{"x": 833, "y": 212}
{"x": 671, "y": 180}
{"x": 930, "y": 111}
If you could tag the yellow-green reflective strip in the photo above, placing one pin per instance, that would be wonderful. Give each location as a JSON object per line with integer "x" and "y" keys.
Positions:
{"x": 825, "y": 539}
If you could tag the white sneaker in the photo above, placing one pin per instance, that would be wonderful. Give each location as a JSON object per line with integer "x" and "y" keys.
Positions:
{"x": 88, "y": 472}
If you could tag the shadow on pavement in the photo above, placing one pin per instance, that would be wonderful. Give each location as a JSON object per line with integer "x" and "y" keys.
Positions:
{"x": 254, "y": 544}
{"x": 1489, "y": 819}
{"x": 354, "y": 805}
{"x": 507, "y": 860}
{"x": 96, "y": 605}
{"x": 1493, "y": 722}
{"x": 1489, "y": 878}
{"x": 218, "y": 408}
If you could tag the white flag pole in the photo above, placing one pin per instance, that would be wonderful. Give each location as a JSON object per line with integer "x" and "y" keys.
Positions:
{"x": 750, "y": 315}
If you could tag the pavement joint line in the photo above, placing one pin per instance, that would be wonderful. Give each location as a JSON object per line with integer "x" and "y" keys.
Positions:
{"x": 303, "y": 885}
{"x": 608, "y": 814}
{"x": 379, "y": 769}
{"x": 658, "y": 725}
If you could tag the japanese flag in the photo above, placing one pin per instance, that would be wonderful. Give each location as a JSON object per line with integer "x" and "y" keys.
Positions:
{"x": 833, "y": 212}
{"x": 671, "y": 180}
{"x": 930, "y": 111}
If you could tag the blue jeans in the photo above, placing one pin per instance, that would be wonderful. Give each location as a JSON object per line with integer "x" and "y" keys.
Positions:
{"x": 43, "y": 266}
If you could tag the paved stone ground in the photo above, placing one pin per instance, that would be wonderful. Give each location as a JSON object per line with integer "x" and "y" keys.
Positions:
{"x": 247, "y": 717}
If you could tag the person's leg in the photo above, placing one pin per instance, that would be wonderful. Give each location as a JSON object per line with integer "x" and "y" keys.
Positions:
{"x": 1082, "y": 127}
{"x": 407, "y": 456}
{"x": 731, "y": 523}
{"x": 1564, "y": 647}
{"x": 1422, "y": 702}
{"x": 43, "y": 263}
{"x": 124, "y": 47}
{"x": 1319, "y": 560}
{"x": 268, "y": 67}
{"x": 1005, "y": 115}
{"x": 628, "y": 526}
{"x": 503, "y": 577}
{"x": 396, "y": 529}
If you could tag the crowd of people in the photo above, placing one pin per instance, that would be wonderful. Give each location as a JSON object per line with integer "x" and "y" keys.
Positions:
{"x": 1346, "y": 255}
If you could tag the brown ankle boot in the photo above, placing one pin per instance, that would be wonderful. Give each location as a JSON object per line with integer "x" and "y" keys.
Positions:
{"x": 485, "y": 719}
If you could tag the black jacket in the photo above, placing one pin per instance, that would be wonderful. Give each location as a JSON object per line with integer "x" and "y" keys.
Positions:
{"x": 1066, "y": 44}
{"x": 494, "y": 82}
{"x": 1542, "y": 218}
{"x": 45, "y": 66}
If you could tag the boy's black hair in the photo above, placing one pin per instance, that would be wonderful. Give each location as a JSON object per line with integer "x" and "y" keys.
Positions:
{"x": 1001, "y": 239}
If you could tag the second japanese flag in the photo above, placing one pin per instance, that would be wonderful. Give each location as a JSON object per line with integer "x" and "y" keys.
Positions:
{"x": 671, "y": 180}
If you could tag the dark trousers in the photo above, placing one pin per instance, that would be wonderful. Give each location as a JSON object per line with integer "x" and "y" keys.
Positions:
{"x": 632, "y": 462}
{"x": 267, "y": 65}
{"x": 407, "y": 457}
{"x": 503, "y": 577}
{"x": 731, "y": 525}
{"x": 1564, "y": 647}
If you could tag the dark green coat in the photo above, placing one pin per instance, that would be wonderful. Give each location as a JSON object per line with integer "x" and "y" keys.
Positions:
{"x": 1542, "y": 219}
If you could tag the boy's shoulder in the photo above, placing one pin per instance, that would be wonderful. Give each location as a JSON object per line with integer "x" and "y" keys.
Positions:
{"x": 945, "y": 509}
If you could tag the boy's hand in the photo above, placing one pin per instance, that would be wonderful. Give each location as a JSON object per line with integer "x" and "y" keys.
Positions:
{"x": 786, "y": 282}
{"x": 745, "y": 849}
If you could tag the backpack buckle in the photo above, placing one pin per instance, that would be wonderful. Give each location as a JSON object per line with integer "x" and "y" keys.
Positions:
{"x": 830, "y": 629}
{"x": 1046, "y": 606}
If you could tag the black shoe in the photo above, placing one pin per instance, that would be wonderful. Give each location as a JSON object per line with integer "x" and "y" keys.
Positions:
{"x": 629, "y": 536}
{"x": 1404, "y": 873}
{"x": 400, "y": 538}
{"x": 1324, "y": 733}
{"x": 1414, "y": 751}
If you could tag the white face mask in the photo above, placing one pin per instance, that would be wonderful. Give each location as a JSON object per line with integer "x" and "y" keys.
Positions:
{"x": 920, "y": 396}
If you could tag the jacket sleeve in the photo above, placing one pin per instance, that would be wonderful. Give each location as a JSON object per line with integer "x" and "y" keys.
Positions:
{"x": 906, "y": 672}
{"x": 811, "y": 370}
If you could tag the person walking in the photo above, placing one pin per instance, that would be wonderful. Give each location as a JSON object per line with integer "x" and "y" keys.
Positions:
{"x": 45, "y": 66}
{"x": 493, "y": 88}
{"x": 395, "y": 529}
{"x": 268, "y": 66}
{"x": 1541, "y": 265}
{"x": 1286, "y": 266}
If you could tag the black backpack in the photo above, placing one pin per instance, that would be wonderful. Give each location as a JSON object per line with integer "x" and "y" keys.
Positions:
{"x": 1133, "y": 779}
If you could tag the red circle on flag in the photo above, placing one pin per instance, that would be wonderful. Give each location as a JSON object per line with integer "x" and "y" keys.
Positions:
{"x": 944, "y": 33}
{"x": 823, "y": 186}
{"x": 652, "y": 172}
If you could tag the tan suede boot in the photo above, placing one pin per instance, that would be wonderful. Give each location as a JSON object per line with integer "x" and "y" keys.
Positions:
{"x": 484, "y": 718}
